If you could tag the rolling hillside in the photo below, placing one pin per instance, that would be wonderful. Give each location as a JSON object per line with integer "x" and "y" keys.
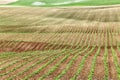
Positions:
{"x": 63, "y": 2}
{"x": 58, "y": 41}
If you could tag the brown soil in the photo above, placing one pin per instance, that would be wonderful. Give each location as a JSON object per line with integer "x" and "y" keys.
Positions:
{"x": 111, "y": 66}
{"x": 87, "y": 66}
{"x": 74, "y": 66}
{"x": 7, "y": 1}
{"x": 50, "y": 66}
{"x": 118, "y": 54}
{"x": 21, "y": 68}
{"x": 99, "y": 67}
{"x": 69, "y": 73}
{"x": 13, "y": 46}
{"x": 12, "y": 66}
{"x": 31, "y": 46}
{"x": 67, "y": 28}
{"x": 36, "y": 67}
{"x": 98, "y": 73}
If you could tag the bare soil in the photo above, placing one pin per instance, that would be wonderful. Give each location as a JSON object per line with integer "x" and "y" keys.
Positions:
{"x": 7, "y": 1}
{"x": 31, "y": 46}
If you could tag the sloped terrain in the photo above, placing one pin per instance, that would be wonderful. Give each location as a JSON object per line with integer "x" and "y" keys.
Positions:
{"x": 53, "y": 3}
{"x": 59, "y": 43}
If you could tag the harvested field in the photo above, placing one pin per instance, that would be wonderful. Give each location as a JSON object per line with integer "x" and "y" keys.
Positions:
{"x": 59, "y": 43}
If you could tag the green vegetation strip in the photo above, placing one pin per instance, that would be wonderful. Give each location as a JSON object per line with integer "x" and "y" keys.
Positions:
{"x": 55, "y": 67}
{"x": 16, "y": 61}
{"x": 106, "y": 77}
{"x": 106, "y": 64}
{"x": 38, "y": 56}
{"x": 50, "y": 62}
{"x": 93, "y": 65}
{"x": 70, "y": 63}
{"x": 53, "y": 3}
{"x": 83, "y": 61}
{"x": 81, "y": 65}
{"x": 43, "y": 66}
{"x": 38, "y": 62}
{"x": 116, "y": 62}
{"x": 73, "y": 59}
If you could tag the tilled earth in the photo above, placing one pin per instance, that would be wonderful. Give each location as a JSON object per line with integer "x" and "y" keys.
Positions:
{"x": 60, "y": 43}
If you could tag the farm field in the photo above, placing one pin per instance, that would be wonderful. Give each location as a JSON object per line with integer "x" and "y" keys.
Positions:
{"x": 53, "y": 3}
{"x": 67, "y": 43}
